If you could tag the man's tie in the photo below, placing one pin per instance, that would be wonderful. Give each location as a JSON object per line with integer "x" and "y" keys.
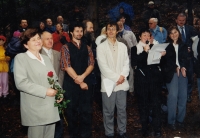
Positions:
{"x": 183, "y": 34}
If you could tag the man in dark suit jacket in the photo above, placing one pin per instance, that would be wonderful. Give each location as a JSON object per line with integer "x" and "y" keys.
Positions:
{"x": 187, "y": 33}
{"x": 23, "y": 25}
{"x": 54, "y": 56}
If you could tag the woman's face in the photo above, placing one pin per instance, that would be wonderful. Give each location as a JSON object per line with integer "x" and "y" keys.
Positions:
{"x": 174, "y": 35}
{"x": 34, "y": 44}
{"x": 42, "y": 25}
{"x": 145, "y": 36}
{"x": 58, "y": 27}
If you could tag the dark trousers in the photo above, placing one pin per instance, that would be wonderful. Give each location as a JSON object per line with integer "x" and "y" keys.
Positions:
{"x": 59, "y": 128}
{"x": 79, "y": 112}
{"x": 17, "y": 92}
{"x": 190, "y": 76}
{"x": 148, "y": 89}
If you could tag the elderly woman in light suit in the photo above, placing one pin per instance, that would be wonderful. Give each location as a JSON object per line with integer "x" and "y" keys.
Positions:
{"x": 37, "y": 96}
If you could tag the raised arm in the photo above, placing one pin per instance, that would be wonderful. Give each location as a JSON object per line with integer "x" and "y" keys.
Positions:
{"x": 135, "y": 58}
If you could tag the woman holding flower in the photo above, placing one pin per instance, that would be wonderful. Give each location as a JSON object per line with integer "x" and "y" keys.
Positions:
{"x": 31, "y": 72}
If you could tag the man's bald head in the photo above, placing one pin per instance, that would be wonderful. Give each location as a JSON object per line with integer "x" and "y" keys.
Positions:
{"x": 60, "y": 19}
{"x": 47, "y": 40}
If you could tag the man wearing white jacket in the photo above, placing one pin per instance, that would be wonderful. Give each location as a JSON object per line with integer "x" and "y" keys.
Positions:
{"x": 113, "y": 61}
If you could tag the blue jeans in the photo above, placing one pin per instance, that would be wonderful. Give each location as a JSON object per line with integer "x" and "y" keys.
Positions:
{"x": 177, "y": 98}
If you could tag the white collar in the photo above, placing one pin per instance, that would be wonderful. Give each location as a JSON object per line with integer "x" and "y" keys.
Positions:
{"x": 181, "y": 26}
{"x": 48, "y": 51}
{"x": 140, "y": 46}
{"x": 31, "y": 55}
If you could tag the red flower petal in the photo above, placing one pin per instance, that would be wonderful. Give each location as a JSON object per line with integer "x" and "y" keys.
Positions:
{"x": 50, "y": 74}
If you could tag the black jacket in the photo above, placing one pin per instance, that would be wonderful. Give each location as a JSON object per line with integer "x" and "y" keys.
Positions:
{"x": 168, "y": 62}
{"x": 144, "y": 73}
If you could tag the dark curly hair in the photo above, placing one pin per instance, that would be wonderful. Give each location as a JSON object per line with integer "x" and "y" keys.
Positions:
{"x": 143, "y": 30}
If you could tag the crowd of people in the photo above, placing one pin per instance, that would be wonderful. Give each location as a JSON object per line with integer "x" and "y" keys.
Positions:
{"x": 114, "y": 62}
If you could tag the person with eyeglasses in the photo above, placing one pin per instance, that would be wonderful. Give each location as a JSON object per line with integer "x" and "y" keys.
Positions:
{"x": 113, "y": 61}
{"x": 158, "y": 33}
{"x": 151, "y": 12}
{"x": 37, "y": 98}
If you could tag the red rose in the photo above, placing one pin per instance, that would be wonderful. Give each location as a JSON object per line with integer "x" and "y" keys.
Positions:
{"x": 50, "y": 74}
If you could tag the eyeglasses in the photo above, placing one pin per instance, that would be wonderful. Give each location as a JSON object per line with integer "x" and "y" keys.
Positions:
{"x": 1, "y": 39}
{"x": 111, "y": 29}
{"x": 150, "y": 23}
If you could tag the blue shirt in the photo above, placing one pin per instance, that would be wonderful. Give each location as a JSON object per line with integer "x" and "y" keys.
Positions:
{"x": 126, "y": 27}
{"x": 50, "y": 29}
{"x": 159, "y": 34}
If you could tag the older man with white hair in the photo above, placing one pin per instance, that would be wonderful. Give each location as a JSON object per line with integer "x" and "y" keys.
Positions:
{"x": 158, "y": 33}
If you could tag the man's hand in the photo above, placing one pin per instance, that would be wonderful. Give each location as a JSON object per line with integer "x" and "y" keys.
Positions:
{"x": 84, "y": 86}
{"x": 183, "y": 71}
{"x": 51, "y": 92}
{"x": 121, "y": 80}
{"x": 79, "y": 79}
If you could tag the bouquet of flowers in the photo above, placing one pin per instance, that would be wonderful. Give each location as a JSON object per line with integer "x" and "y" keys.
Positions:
{"x": 59, "y": 95}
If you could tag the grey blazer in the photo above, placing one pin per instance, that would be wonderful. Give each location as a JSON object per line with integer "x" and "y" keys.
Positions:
{"x": 56, "y": 64}
{"x": 31, "y": 79}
